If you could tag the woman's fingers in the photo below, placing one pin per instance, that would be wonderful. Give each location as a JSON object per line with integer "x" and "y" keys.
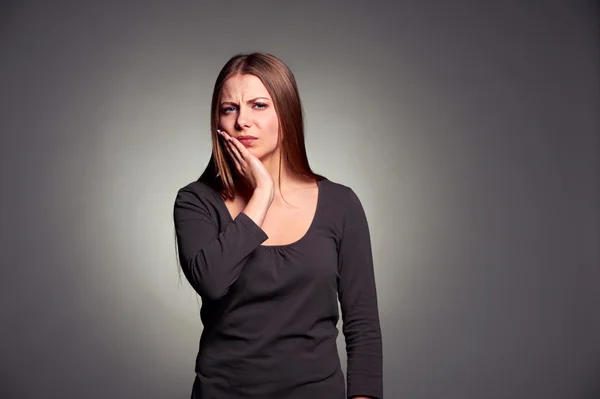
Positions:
{"x": 237, "y": 147}
{"x": 230, "y": 144}
{"x": 247, "y": 164}
{"x": 243, "y": 151}
{"x": 232, "y": 151}
{"x": 233, "y": 157}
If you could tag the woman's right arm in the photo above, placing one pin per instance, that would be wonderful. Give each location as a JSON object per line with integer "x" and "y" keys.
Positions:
{"x": 211, "y": 261}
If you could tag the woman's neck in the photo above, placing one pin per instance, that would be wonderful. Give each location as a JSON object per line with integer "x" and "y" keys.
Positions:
{"x": 283, "y": 179}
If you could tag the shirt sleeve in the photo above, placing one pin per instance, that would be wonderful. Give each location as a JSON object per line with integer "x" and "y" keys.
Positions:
{"x": 211, "y": 261}
{"x": 358, "y": 300}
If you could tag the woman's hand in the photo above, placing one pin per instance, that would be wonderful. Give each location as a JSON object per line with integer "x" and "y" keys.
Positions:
{"x": 247, "y": 165}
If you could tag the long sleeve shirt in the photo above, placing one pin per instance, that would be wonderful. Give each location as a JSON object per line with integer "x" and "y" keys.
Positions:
{"x": 270, "y": 312}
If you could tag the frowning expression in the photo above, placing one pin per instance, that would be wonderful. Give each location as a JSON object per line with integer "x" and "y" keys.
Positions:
{"x": 247, "y": 112}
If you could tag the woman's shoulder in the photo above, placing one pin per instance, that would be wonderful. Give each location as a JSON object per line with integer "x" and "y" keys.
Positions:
{"x": 337, "y": 190}
{"x": 339, "y": 196}
{"x": 341, "y": 206}
{"x": 197, "y": 191}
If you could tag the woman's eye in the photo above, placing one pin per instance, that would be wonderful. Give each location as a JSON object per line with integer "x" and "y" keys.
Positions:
{"x": 227, "y": 110}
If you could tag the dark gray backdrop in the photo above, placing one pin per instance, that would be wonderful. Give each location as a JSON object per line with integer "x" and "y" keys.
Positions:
{"x": 468, "y": 129}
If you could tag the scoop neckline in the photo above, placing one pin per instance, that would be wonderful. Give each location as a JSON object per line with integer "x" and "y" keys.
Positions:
{"x": 299, "y": 240}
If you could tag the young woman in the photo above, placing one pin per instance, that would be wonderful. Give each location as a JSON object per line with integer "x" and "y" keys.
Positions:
{"x": 271, "y": 247}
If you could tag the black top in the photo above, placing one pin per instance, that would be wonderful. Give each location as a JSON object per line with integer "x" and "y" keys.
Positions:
{"x": 270, "y": 312}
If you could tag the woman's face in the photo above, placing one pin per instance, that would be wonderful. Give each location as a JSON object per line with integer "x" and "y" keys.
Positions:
{"x": 247, "y": 113}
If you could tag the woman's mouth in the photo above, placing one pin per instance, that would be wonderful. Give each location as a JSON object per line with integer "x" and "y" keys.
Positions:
{"x": 247, "y": 140}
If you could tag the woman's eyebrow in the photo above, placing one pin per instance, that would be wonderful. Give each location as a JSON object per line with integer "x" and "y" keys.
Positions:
{"x": 249, "y": 101}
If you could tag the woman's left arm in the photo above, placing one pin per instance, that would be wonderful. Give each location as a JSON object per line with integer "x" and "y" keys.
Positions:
{"x": 358, "y": 300}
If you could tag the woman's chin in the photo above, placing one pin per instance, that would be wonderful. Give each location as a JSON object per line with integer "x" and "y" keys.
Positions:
{"x": 263, "y": 155}
{"x": 256, "y": 152}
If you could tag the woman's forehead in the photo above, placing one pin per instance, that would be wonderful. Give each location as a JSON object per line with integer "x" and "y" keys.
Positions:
{"x": 243, "y": 87}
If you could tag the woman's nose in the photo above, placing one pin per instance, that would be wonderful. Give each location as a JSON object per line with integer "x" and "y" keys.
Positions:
{"x": 243, "y": 119}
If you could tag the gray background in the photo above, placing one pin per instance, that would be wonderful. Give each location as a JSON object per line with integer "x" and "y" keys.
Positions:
{"x": 468, "y": 129}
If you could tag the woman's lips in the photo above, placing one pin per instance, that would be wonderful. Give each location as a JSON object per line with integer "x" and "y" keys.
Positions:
{"x": 247, "y": 140}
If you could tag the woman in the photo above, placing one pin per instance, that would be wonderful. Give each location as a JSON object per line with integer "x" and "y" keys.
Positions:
{"x": 271, "y": 247}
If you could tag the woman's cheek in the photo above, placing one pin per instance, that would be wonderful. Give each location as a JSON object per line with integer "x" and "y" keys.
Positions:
{"x": 274, "y": 125}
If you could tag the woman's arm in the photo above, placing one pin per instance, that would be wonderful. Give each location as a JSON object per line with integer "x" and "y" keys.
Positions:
{"x": 358, "y": 300}
{"x": 211, "y": 261}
